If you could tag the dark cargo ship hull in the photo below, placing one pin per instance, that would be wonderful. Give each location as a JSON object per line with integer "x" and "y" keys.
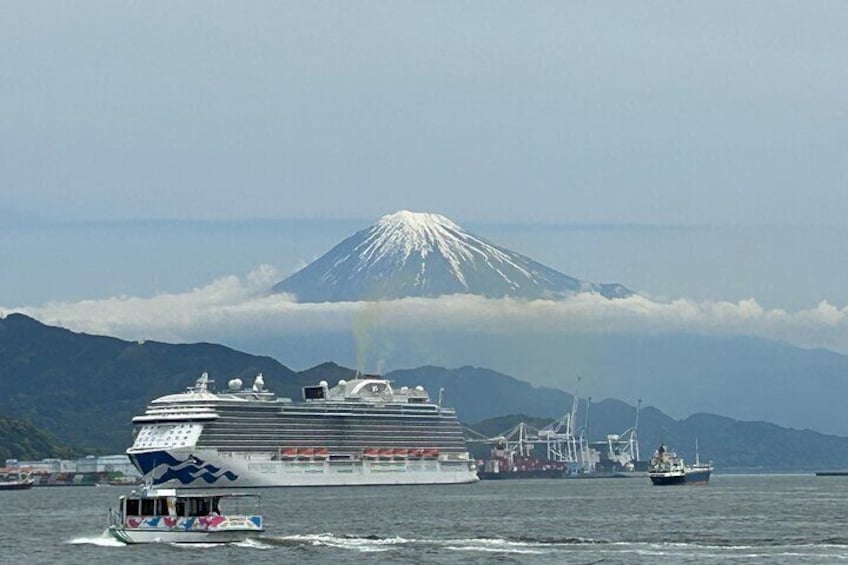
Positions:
{"x": 691, "y": 477}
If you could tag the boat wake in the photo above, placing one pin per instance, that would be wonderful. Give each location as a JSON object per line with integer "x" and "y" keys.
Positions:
{"x": 543, "y": 547}
{"x": 104, "y": 540}
{"x": 552, "y": 547}
{"x": 375, "y": 544}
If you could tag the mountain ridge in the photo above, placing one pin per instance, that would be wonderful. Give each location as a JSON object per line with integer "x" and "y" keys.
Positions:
{"x": 409, "y": 254}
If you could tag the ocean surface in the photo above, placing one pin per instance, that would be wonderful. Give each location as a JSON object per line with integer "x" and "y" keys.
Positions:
{"x": 734, "y": 519}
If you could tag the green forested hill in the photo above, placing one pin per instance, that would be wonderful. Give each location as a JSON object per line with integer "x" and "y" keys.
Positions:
{"x": 23, "y": 441}
{"x": 86, "y": 388}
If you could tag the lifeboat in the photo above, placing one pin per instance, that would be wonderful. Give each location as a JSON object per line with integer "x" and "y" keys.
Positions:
{"x": 305, "y": 452}
{"x": 401, "y": 453}
{"x": 370, "y": 452}
{"x": 387, "y": 453}
{"x": 431, "y": 454}
{"x": 288, "y": 452}
{"x": 321, "y": 453}
{"x": 416, "y": 453}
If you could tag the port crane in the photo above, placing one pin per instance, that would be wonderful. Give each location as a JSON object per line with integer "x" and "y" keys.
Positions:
{"x": 622, "y": 450}
{"x": 563, "y": 440}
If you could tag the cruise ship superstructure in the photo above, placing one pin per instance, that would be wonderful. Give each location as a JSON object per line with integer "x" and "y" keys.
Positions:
{"x": 359, "y": 432}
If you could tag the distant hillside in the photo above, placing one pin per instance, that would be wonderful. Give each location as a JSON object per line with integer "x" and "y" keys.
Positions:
{"x": 482, "y": 393}
{"x": 482, "y": 397}
{"x": 85, "y": 389}
{"x": 745, "y": 378}
{"x": 23, "y": 441}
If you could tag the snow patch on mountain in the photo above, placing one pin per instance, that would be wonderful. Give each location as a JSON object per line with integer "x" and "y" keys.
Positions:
{"x": 423, "y": 254}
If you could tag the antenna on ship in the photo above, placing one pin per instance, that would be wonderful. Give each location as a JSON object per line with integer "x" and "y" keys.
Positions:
{"x": 697, "y": 457}
{"x": 441, "y": 395}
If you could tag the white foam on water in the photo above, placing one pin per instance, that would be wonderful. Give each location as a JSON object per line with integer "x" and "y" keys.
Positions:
{"x": 810, "y": 555}
{"x": 253, "y": 544}
{"x": 103, "y": 540}
{"x": 358, "y": 544}
{"x": 498, "y": 545}
{"x": 685, "y": 550}
{"x": 485, "y": 549}
{"x": 200, "y": 545}
{"x": 366, "y": 544}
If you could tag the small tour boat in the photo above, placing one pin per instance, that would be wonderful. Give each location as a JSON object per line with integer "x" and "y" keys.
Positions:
{"x": 170, "y": 516}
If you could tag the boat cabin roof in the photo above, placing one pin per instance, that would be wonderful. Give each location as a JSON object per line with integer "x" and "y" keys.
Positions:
{"x": 174, "y": 493}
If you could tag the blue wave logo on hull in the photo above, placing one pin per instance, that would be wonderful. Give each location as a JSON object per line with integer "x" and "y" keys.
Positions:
{"x": 184, "y": 471}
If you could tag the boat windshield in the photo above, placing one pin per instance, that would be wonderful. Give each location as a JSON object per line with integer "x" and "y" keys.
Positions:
{"x": 188, "y": 506}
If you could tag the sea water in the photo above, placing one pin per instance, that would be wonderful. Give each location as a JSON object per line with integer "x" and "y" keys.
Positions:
{"x": 734, "y": 519}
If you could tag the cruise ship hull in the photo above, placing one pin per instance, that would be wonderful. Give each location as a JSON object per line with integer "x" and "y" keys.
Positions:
{"x": 199, "y": 468}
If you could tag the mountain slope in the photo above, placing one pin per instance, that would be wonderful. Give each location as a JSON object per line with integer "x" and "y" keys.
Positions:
{"x": 21, "y": 440}
{"x": 740, "y": 377}
{"x": 415, "y": 254}
{"x": 480, "y": 393}
{"x": 85, "y": 389}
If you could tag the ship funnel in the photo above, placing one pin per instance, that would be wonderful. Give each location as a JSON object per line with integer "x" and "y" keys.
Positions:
{"x": 202, "y": 383}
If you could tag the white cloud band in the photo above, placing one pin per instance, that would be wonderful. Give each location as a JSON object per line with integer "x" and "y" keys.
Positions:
{"x": 232, "y": 305}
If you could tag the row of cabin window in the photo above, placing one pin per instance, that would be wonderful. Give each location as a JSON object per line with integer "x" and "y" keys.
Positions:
{"x": 160, "y": 507}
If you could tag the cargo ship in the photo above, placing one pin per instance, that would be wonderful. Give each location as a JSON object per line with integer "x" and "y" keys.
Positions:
{"x": 667, "y": 468}
{"x": 359, "y": 432}
{"x": 506, "y": 463}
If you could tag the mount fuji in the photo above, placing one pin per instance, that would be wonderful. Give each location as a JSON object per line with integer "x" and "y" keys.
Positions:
{"x": 408, "y": 254}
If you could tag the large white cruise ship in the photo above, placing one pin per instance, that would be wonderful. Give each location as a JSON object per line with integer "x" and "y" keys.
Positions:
{"x": 358, "y": 432}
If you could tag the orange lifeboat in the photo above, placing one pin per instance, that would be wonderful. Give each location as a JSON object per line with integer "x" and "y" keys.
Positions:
{"x": 401, "y": 453}
{"x": 322, "y": 452}
{"x": 431, "y": 454}
{"x": 387, "y": 453}
{"x": 370, "y": 452}
{"x": 305, "y": 452}
{"x": 288, "y": 452}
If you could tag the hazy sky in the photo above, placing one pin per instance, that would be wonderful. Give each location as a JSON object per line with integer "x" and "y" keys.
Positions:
{"x": 588, "y": 112}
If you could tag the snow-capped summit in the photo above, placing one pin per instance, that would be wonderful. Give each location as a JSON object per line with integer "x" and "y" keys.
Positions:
{"x": 419, "y": 254}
